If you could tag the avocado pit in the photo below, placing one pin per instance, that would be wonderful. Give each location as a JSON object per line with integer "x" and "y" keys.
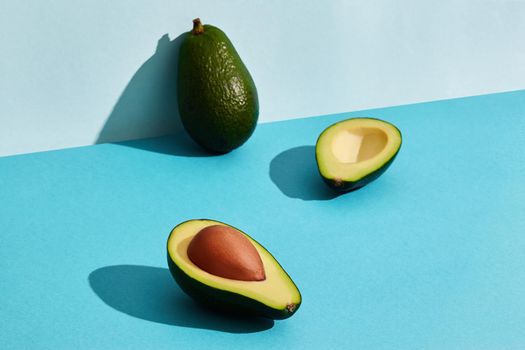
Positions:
{"x": 225, "y": 252}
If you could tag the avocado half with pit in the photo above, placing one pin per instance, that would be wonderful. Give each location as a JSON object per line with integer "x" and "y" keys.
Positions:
{"x": 355, "y": 152}
{"x": 223, "y": 267}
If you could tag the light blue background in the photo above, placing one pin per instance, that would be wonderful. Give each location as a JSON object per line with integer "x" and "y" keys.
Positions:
{"x": 67, "y": 66}
{"x": 430, "y": 256}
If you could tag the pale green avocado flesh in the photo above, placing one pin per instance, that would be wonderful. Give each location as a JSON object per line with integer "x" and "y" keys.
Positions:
{"x": 355, "y": 152}
{"x": 275, "y": 297}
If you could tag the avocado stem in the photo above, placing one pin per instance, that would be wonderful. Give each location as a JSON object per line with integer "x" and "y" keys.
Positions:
{"x": 198, "y": 28}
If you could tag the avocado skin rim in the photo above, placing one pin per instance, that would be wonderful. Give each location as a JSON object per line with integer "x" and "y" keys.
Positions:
{"x": 224, "y": 300}
{"x": 349, "y": 186}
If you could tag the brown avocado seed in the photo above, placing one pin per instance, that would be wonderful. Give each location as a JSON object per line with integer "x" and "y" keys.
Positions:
{"x": 223, "y": 251}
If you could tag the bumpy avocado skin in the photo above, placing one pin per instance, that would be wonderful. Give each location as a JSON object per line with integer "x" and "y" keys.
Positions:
{"x": 217, "y": 97}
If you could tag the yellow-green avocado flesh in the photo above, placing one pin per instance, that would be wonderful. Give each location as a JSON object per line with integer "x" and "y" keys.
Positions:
{"x": 355, "y": 152}
{"x": 276, "y": 297}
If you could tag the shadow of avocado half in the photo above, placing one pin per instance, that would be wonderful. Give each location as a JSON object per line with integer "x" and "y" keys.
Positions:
{"x": 149, "y": 293}
{"x": 295, "y": 173}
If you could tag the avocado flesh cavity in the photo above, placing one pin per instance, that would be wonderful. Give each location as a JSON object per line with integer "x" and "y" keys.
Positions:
{"x": 358, "y": 145}
{"x": 276, "y": 297}
{"x": 354, "y": 152}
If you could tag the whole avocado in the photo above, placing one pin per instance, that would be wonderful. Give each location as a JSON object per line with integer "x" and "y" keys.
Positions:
{"x": 217, "y": 97}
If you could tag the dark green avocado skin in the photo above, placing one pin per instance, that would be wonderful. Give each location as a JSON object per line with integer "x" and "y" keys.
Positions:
{"x": 217, "y": 97}
{"x": 225, "y": 300}
{"x": 349, "y": 186}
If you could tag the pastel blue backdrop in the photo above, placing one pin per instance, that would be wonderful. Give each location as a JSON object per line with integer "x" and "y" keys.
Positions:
{"x": 429, "y": 256}
{"x": 78, "y": 72}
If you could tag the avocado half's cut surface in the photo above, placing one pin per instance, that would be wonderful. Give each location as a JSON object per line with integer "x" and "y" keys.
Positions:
{"x": 275, "y": 297}
{"x": 354, "y": 152}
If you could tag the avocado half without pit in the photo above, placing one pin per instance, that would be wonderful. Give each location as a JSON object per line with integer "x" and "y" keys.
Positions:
{"x": 223, "y": 267}
{"x": 354, "y": 152}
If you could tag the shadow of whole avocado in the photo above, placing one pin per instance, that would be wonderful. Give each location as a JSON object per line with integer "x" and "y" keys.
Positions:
{"x": 148, "y": 107}
{"x": 149, "y": 293}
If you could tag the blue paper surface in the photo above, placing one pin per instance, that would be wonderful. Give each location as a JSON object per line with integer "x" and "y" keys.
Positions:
{"x": 431, "y": 255}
